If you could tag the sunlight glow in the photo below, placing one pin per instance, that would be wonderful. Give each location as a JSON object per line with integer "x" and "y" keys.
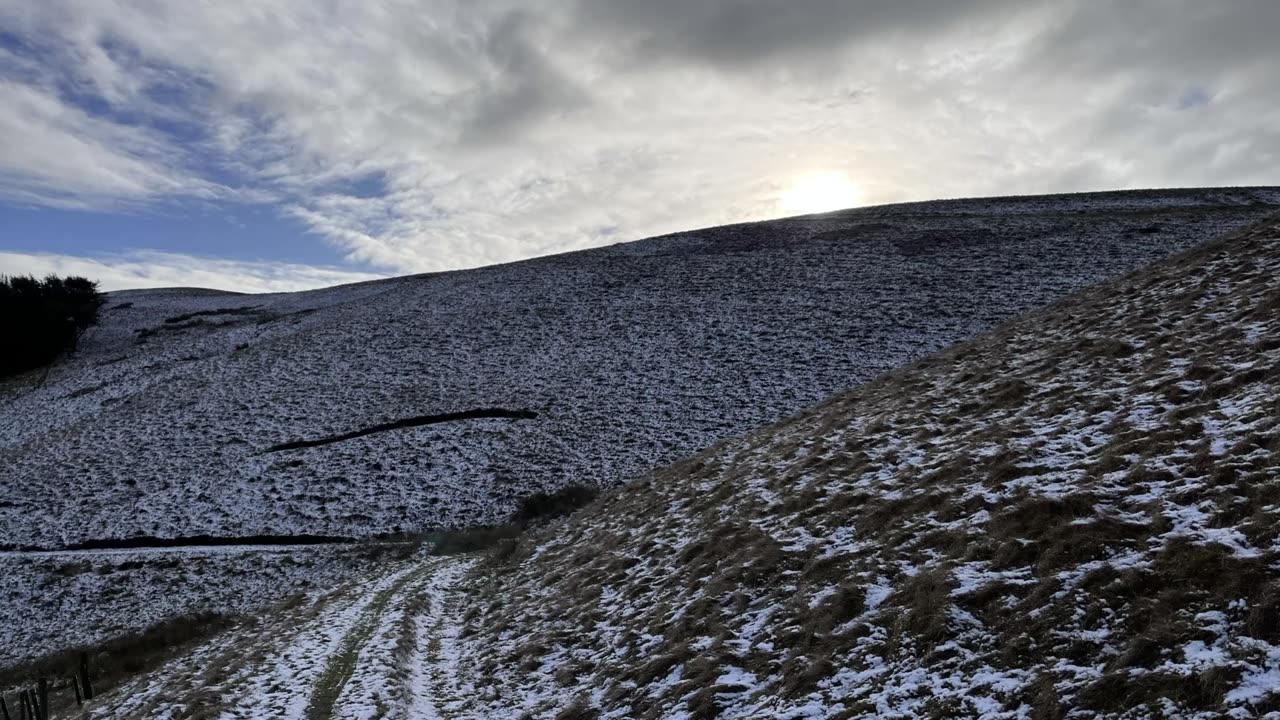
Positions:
{"x": 821, "y": 192}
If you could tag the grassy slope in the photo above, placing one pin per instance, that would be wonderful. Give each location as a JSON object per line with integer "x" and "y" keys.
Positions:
{"x": 1076, "y": 513}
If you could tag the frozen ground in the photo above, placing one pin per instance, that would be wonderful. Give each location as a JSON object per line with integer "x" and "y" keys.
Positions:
{"x": 1075, "y": 516}
{"x": 631, "y": 356}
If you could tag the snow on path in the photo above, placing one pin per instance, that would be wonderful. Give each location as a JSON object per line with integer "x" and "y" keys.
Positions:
{"x": 284, "y": 687}
{"x": 218, "y": 672}
{"x": 391, "y": 654}
{"x": 433, "y": 680}
{"x": 383, "y": 647}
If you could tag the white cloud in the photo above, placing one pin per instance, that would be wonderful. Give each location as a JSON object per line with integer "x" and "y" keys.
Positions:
{"x": 55, "y": 154}
{"x": 497, "y": 133}
{"x": 147, "y": 269}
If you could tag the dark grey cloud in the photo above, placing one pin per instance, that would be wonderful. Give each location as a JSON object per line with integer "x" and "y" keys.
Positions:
{"x": 1178, "y": 38}
{"x": 1170, "y": 92}
{"x": 748, "y": 33}
{"x": 524, "y": 88}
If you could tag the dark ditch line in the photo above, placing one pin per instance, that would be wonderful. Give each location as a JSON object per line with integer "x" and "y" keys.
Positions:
{"x": 500, "y": 413}
{"x": 146, "y": 542}
{"x": 245, "y": 310}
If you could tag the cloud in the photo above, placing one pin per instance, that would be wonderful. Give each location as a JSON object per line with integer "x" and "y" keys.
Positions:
{"x": 149, "y": 269}
{"x": 524, "y": 88}
{"x": 749, "y": 34}
{"x": 421, "y": 136}
{"x": 58, "y": 155}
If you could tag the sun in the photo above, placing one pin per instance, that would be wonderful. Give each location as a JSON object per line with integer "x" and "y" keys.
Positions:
{"x": 820, "y": 192}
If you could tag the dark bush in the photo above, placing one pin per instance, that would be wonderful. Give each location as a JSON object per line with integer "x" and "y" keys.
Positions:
{"x": 474, "y": 539}
{"x": 545, "y": 506}
{"x": 538, "y": 506}
{"x": 41, "y": 319}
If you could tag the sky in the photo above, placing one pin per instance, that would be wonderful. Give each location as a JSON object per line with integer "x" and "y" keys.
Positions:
{"x": 265, "y": 145}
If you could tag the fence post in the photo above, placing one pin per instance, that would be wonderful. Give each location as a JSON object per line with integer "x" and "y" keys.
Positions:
{"x": 44, "y": 699}
{"x": 75, "y": 685}
{"x": 4, "y": 708}
{"x": 85, "y": 685}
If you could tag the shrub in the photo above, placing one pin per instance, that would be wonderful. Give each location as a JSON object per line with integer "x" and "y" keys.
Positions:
{"x": 538, "y": 506}
{"x": 546, "y": 506}
{"x": 41, "y": 319}
{"x": 474, "y": 539}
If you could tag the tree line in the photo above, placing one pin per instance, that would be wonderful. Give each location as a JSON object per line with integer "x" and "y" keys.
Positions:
{"x": 43, "y": 319}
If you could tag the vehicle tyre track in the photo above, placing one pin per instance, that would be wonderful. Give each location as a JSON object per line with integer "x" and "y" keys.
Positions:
{"x": 435, "y": 692}
{"x": 384, "y": 646}
{"x": 340, "y": 665}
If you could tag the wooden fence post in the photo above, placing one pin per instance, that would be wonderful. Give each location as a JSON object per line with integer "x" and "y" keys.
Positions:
{"x": 85, "y": 685}
{"x": 44, "y": 699}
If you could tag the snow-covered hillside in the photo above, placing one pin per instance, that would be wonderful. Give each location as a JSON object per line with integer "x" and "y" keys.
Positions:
{"x": 629, "y": 356}
{"x": 1077, "y": 515}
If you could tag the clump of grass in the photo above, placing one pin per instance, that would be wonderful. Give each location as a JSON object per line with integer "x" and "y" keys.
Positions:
{"x": 1264, "y": 615}
{"x": 579, "y": 709}
{"x": 924, "y": 600}
{"x": 1098, "y": 347}
{"x": 1119, "y": 691}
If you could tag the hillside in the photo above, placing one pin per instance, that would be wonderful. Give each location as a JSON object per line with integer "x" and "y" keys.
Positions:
{"x": 593, "y": 366}
{"x": 1074, "y": 515}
